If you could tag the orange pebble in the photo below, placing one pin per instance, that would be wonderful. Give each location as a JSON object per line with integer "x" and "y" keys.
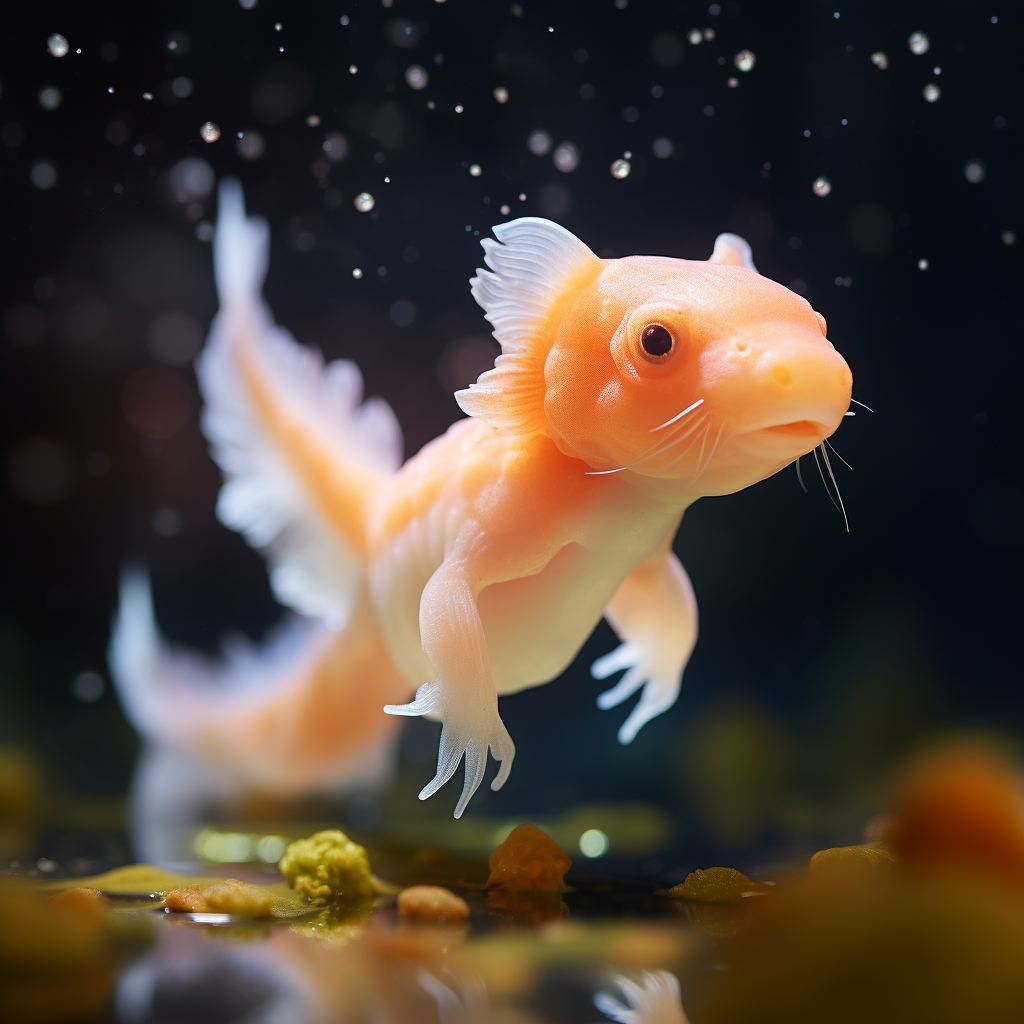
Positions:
{"x": 528, "y": 861}
{"x": 80, "y": 898}
{"x": 187, "y": 898}
{"x": 962, "y": 810}
{"x": 432, "y": 903}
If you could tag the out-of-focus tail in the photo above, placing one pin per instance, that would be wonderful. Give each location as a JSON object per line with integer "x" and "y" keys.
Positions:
{"x": 302, "y": 454}
{"x": 300, "y": 713}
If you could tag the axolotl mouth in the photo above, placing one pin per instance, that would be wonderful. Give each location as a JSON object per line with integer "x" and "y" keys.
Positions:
{"x": 783, "y": 440}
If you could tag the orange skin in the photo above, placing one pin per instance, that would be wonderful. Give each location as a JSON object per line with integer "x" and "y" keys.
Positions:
{"x": 485, "y": 561}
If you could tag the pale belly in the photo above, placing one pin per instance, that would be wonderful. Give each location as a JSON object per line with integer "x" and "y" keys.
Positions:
{"x": 534, "y": 625}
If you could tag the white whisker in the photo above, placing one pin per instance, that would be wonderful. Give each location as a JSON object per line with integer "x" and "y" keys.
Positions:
{"x": 800, "y": 475}
{"x": 838, "y": 456}
{"x": 678, "y": 416}
{"x": 841, "y": 507}
{"x": 603, "y": 472}
{"x": 862, "y": 405}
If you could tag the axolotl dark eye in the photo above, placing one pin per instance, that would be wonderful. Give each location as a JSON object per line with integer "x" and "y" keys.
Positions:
{"x": 656, "y": 340}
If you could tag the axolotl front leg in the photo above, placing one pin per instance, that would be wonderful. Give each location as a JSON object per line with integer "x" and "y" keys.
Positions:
{"x": 462, "y": 695}
{"x": 654, "y": 613}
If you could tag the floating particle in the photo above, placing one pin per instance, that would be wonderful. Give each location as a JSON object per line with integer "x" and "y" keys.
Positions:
{"x": 357, "y": 273}
{"x": 566, "y": 157}
{"x": 247, "y": 5}
{"x": 656, "y": 91}
{"x": 745, "y": 60}
{"x": 974, "y": 171}
{"x": 918, "y": 43}
{"x": 587, "y": 91}
{"x": 709, "y": 111}
{"x": 821, "y": 186}
{"x": 250, "y": 145}
{"x": 352, "y": 69}
{"x": 181, "y": 87}
{"x": 620, "y": 5}
{"x": 402, "y": 313}
{"x": 364, "y": 202}
{"x": 345, "y": 19}
{"x": 733, "y": 83}
{"x": 936, "y": 70}
{"x": 204, "y": 231}
{"x": 932, "y": 92}
{"x": 278, "y": 26}
{"x": 667, "y": 49}
{"x": 506, "y": 210}
{"x": 417, "y": 77}
{"x": 522, "y": 197}
{"x": 335, "y": 147}
{"x": 880, "y": 60}
{"x": 620, "y": 169}
{"x": 1009, "y": 237}
{"x": 43, "y": 175}
{"x": 627, "y": 155}
{"x": 49, "y": 97}
{"x": 209, "y": 132}
{"x": 501, "y": 94}
{"x": 630, "y": 115}
{"x": 431, "y": 104}
{"x": 538, "y": 142}
{"x": 922, "y": 264}
{"x": 313, "y": 120}
{"x": 715, "y": 10}
{"x": 147, "y": 96}
{"x": 88, "y": 687}
{"x": 57, "y": 45}
{"x": 474, "y": 170}
{"x": 594, "y": 843}
{"x": 709, "y": 34}
{"x": 517, "y": 10}
{"x": 695, "y": 36}
{"x": 190, "y": 179}
{"x": 178, "y": 43}
{"x": 662, "y": 147}
{"x": 459, "y": 108}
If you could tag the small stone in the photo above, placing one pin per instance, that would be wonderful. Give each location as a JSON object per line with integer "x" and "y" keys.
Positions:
{"x": 432, "y": 903}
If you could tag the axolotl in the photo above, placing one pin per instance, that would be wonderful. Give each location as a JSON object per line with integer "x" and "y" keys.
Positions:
{"x": 625, "y": 390}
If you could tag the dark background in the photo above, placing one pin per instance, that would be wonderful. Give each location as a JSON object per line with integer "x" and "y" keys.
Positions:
{"x": 824, "y": 657}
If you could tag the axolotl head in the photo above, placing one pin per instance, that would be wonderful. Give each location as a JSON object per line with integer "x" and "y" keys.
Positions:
{"x": 703, "y": 373}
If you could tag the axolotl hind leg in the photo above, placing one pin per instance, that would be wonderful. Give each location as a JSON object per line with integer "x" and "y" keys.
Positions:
{"x": 463, "y": 694}
{"x": 654, "y": 613}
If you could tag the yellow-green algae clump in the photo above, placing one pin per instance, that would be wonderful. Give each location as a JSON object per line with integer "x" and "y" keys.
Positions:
{"x": 328, "y": 864}
{"x": 716, "y": 885}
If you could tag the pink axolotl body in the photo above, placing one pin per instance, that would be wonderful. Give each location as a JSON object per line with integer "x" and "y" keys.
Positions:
{"x": 626, "y": 389}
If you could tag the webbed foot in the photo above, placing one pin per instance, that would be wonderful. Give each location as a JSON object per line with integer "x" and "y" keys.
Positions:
{"x": 466, "y": 729}
{"x": 660, "y": 682}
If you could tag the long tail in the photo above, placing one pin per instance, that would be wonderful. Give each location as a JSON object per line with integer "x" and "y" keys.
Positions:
{"x": 302, "y": 454}
{"x": 300, "y": 713}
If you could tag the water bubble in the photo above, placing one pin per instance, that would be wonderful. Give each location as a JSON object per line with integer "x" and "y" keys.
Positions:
{"x": 880, "y": 60}
{"x": 345, "y": 19}
{"x": 357, "y": 273}
{"x": 974, "y": 171}
{"x": 932, "y": 92}
{"x": 335, "y": 147}
{"x": 630, "y": 115}
{"x": 662, "y": 148}
{"x": 364, "y": 202}
{"x": 181, "y": 87}
{"x": 49, "y": 97}
{"x": 733, "y": 83}
{"x": 667, "y": 49}
{"x": 745, "y": 60}
{"x": 403, "y": 33}
{"x": 313, "y": 121}
{"x": 656, "y": 91}
{"x": 709, "y": 34}
{"x": 539, "y": 142}
{"x": 88, "y": 687}
{"x": 918, "y": 43}
{"x": 204, "y": 231}
{"x": 352, "y": 69}
{"x": 620, "y": 169}
{"x": 474, "y": 170}
{"x": 57, "y": 45}
{"x": 209, "y": 132}
{"x": 402, "y": 313}
{"x": 501, "y": 94}
{"x": 147, "y": 96}
{"x": 178, "y": 43}
{"x": 821, "y": 186}
{"x": 43, "y": 175}
{"x": 250, "y": 145}
{"x": 1009, "y": 237}
{"x": 191, "y": 178}
{"x": 922, "y": 264}
{"x": 587, "y": 91}
{"x": 459, "y": 108}
{"x": 594, "y": 843}
{"x": 506, "y": 210}
{"x": 566, "y": 157}
{"x": 167, "y": 522}
{"x": 417, "y": 77}
{"x": 695, "y": 36}
{"x": 247, "y": 5}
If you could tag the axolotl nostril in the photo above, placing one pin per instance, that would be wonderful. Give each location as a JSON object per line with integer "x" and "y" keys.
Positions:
{"x": 625, "y": 390}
